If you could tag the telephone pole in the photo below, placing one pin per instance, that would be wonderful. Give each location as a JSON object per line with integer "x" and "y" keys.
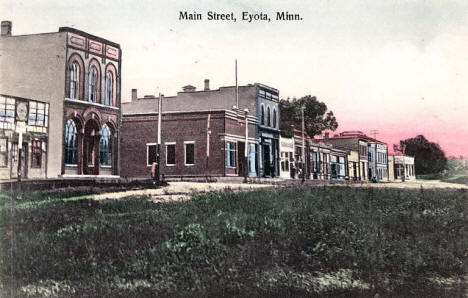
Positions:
{"x": 303, "y": 146}
{"x": 158, "y": 146}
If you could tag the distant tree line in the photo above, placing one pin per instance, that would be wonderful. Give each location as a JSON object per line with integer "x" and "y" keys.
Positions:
{"x": 429, "y": 158}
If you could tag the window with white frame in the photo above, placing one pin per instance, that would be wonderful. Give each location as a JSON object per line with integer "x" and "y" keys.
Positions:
{"x": 231, "y": 154}
{"x": 105, "y": 153}
{"x": 7, "y": 112}
{"x": 150, "y": 153}
{"x": 189, "y": 153}
{"x": 109, "y": 88}
{"x": 3, "y": 152}
{"x": 92, "y": 81}
{"x": 74, "y": 80}
{"x": 170, "y": 154}
{"x": 70, "y": 143}
{"x": 36, "y": 154}
{"x": 38, "y": 114}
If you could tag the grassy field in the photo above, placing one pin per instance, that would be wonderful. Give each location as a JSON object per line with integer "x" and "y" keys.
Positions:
{"x": 333, "y": 241}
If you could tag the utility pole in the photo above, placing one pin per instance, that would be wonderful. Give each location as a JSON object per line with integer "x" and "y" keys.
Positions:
{"x": 246, "y": 151}
{"x": 158, "y": 146}
{"x": 303, "y": 146}
{"x": 374, "y": 132}
{"x": 237, "y": 88}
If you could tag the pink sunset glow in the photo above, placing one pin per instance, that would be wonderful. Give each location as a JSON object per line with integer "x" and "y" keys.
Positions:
{"x": 452, "y": 138}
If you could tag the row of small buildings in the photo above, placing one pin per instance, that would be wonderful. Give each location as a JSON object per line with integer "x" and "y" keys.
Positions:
{"x": 61, "y": 116}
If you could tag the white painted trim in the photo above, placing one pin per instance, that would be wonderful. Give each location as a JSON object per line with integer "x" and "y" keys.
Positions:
{"x": 235, "y": 152}
{"x": 90, "y": 103}
{"x": 233, "y": 138}
{"x": 185, "y": 153}
{"x": 147, "y": 152}
{"x": 168, "y": 144}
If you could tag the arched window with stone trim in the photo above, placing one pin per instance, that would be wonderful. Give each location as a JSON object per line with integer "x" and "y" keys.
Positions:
{"x": 109, "y": 88}
{"x": 262, "y": 116}
{"x": 268, "y": 116}
{"x": 274, "y": 118}
{"x": 105, "y": 147}
{"x": 74, "y": 80}
{"x": 92, "y": 84}
{"x": 71, "y": 145}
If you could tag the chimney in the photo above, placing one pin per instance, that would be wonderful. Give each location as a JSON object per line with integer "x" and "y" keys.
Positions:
{"x": 189, "y": 88}
{"x": 134, "y": 94}
{"x": 207, "y": 84}
{"x": 327, "y": 135}
{"x": 6, "y": 28}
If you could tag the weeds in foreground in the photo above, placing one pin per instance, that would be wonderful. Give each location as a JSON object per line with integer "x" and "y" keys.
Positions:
{"x": 293, "y": 242}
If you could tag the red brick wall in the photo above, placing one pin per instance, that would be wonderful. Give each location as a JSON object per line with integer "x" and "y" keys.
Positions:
{"x": 137, "y": 131}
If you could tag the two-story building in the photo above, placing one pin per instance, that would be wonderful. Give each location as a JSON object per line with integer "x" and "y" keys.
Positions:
{"x": 66, "y": 86}
{"x": 356, "y": 144}
{"x": 256, "y": 102}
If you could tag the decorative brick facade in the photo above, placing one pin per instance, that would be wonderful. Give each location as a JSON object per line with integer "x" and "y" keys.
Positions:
{"x": 78, "y": 76}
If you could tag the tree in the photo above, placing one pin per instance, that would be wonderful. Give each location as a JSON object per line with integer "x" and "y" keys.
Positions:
{"x": 429, "y": 158}
{"x": 316, "y": 117}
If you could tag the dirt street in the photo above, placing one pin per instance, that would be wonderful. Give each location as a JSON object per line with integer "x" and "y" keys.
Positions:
{"x": 179, "y": 191}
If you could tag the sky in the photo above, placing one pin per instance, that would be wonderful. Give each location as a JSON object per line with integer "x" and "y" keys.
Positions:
{"x": 398, "y": 66}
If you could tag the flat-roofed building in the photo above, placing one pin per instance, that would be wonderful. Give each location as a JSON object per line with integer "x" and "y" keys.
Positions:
{"x": 259, "y": 102}
{"x": 74, "y": 77}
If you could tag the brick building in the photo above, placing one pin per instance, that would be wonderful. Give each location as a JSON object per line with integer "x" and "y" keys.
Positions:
{"x": 261, "y": 102}
{"x": 193, "y": 144}
{"x": 74, "y": 77}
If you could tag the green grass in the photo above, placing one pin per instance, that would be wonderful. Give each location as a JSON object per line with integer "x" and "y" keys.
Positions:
{"x": 292, "y": 242}
{"x": 459, "y": 179}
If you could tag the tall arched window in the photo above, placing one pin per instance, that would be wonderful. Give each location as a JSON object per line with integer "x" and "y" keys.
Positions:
{"x": 262, "y": 115}
{"x": 74, "y": 80}
{"x": 274, "y": 118}
{"x": 70, "y": 143}
{"x": 268, "y": 116}
{"x": 104, "y": 147}
{"x": 92, "y": 80}
{"x": 109, "y": 88}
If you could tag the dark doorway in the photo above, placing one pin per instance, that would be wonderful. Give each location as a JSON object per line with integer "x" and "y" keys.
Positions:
{"x": 241, "y": 159}
{"x": 15, "y": 161}
{"x": 91, "y": 148}
{"x": 266, "y": 160}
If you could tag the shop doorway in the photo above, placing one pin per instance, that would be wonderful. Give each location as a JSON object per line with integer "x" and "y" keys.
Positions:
{"x": 91, "y": 148}
{"x": 15, "y": 159}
